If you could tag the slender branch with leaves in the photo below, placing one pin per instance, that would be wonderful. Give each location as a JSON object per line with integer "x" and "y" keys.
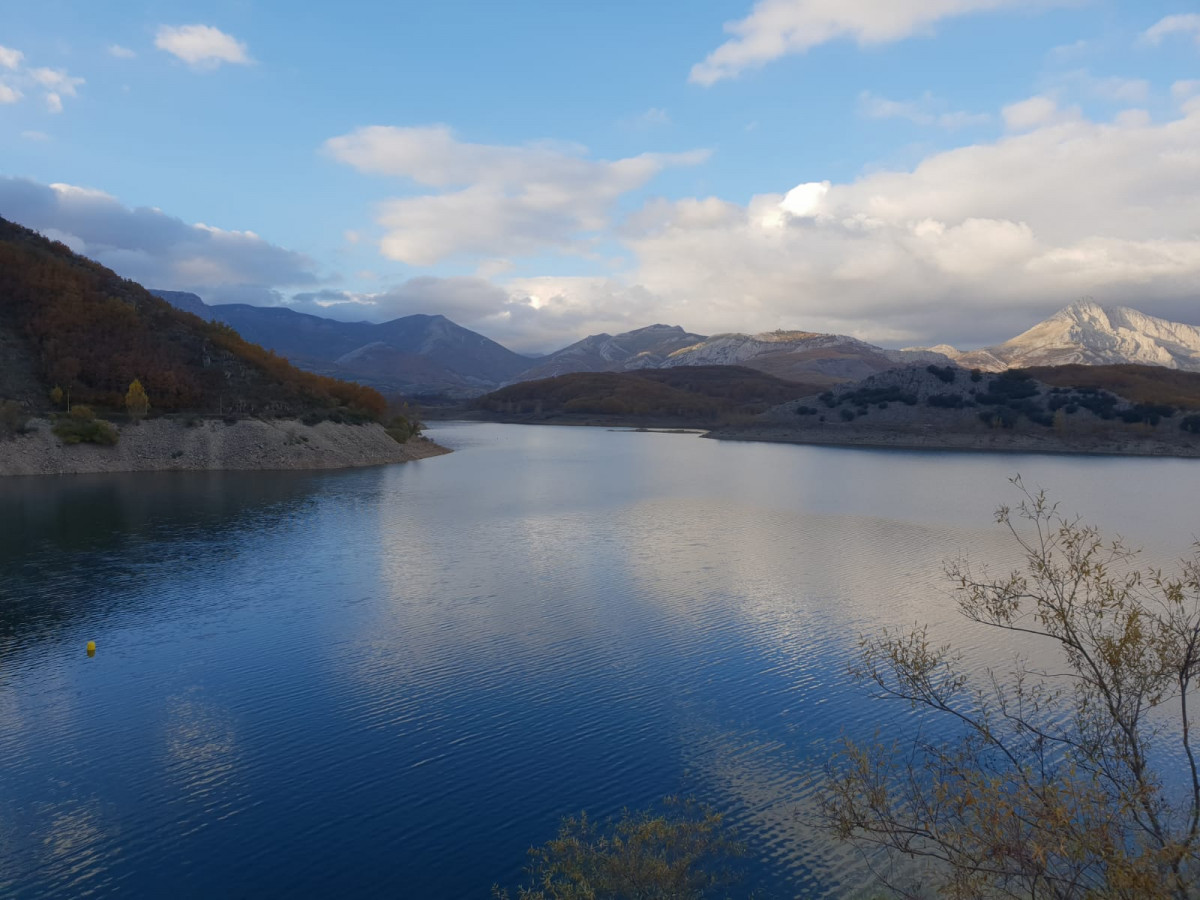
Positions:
{"x": 1073, "y": 780}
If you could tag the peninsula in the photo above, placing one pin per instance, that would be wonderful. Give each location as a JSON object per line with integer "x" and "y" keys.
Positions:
{"x": 99, "y": 375}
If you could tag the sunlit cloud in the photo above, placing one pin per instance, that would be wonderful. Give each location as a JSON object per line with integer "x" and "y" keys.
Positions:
{"x": 201, "y": 46}
{"x": 491, "y": 200}
{"x": 777, "y": 28}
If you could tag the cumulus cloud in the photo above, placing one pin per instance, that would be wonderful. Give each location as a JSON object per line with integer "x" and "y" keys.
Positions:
{"x": 1030, "y": 113}
{"x": 491, "y": 200}
{"x": 925, "y": 110}
{"x": 57, "y": 84}
{"x": 10, "y": 58}
{"x": 777, "y": 28}
{"x": 970, "y": 245}
{"x": 1182, "y": 23}
{"x": 52, "y": 84}
{"x": 120, "y": 52}
{"x": 201, "y": 46}
{"x": 153, "y": 248}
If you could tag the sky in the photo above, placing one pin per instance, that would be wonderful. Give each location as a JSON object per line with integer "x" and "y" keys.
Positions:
{"x": 910, "y": 172}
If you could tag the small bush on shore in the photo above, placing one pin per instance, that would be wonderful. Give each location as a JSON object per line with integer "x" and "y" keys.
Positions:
{"x": 13, "y": 418}
{"x": 80, "y": 426}
{"x": 402, "y": 429}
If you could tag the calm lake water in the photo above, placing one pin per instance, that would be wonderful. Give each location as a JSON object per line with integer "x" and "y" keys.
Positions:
{"x": 393, "y": 681}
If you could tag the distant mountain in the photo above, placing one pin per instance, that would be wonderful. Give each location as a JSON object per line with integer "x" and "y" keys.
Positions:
{"x": 792, "y": 355}
{"x": 1086, "y": 333}
{"x": 644, "y": 348}
{"x": 417, "y": 354}
{"x": 799, "y": 355}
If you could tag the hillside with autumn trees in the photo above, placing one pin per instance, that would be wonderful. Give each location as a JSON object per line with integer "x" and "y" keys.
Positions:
{"x": 70, "y": 323}
{"x": 686, "y": 396}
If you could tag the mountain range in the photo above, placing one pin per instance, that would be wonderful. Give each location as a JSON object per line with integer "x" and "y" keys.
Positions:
{"x": 419, "y": 354}
{"x": 425, "y": 355}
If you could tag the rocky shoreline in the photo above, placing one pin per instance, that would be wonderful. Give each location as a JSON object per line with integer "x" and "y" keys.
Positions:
{"x": 991, "y": 441}
{"x": 211, "y": 444}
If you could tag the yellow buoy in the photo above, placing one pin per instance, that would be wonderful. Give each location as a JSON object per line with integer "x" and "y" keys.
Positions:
{"x": 91, "y": 648}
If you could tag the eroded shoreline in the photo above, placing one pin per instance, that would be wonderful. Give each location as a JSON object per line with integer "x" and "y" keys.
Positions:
{"x": 211, "y": 445}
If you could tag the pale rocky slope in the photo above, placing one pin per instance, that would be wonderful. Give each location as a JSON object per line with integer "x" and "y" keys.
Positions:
{"x": 1090, "y": 334}
{"x": 165, "y": 444}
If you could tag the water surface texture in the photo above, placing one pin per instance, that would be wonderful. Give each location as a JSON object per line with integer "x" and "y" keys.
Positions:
{"x": 393, "y": 681}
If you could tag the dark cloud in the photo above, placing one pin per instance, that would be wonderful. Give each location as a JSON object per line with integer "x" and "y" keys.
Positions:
{"x": 154, "y": 248}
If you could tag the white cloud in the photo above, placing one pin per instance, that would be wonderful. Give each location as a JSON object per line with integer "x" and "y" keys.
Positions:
{"x": 1030, "y": 113}
{"x": 1111, "y": 88}
{"x": 926, "y": 110}
{"x": 56, "y": 80}
{"x": 201, "y": 46}
{"x": 35, "y": 135}
{"x": 777, "y": 28}
{"x": 1183, "y": 23}
{"x": 53, "y": 84}
{"x": 120, "y": 52}
{"x": 153, "y": 248}
{"x": 1182, "y": 90}
{"x": 493, "y": 200}
{"x": 972, "y": 244}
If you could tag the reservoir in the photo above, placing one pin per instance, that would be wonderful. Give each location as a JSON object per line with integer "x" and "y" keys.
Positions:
{"x": 394, "y": 681}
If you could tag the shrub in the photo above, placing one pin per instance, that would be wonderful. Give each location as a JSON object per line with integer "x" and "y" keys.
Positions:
{"x": 13, "y": 418}
{"x": 945, "y": 374}
{"x": 847, "y": 415}
{"x": 945, "y": 401}
{"x": 1147, "y": 412}
{"x": 806, "y": 410}
{"x": 1056, "y": 782}
{"x": 402, "y": 429}
{"x": 80, "y": 426}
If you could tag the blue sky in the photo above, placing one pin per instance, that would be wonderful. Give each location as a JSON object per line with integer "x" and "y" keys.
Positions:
{"x": 539, "y": 171}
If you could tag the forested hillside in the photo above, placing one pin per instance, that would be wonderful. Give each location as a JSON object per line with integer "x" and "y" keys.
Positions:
{"x": 70, "y": 323}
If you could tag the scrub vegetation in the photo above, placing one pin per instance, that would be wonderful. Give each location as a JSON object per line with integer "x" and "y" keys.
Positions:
{"x": 1075, "y": 780}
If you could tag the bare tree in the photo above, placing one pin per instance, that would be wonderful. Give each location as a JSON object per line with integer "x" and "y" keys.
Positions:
{"x": 1073, "y": 780}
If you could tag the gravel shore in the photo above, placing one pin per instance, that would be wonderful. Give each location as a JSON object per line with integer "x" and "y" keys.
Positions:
{"x": 162, "y": 444}
{"x": 991, "y": 441}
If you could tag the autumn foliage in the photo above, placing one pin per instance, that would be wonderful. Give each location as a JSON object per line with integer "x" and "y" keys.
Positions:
{"x": 94, "y": 333}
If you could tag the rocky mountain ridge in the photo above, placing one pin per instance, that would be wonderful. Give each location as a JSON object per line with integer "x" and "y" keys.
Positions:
{"x": 1090, "y": 334}
{"x": 642, "y": 348}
